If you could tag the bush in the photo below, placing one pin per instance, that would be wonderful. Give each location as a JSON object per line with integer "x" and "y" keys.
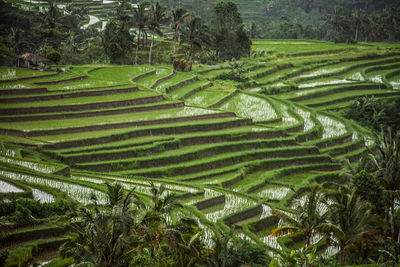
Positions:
{"x": 54, "y": 55}
{"x": 371, "y": 189}
{"x": 23, "y": 211}
{"x": 182, "y": 65}
{"x": 236, "y": 73}
{"x": 7, "y": 55}
{"x": 244, "y": 253}
{"x": 374, "y": 113}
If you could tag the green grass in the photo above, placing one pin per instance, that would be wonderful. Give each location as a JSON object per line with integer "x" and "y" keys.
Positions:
{"x": 109, "y": 119}
{"x": 252, "y": 107}
{"x": 122, "y": 74}
{"x": 124, "y": 131}
{"x": 232, "y": 133}
{"x": 181, "y": 92}
{"x": 206, "y": 97}
{"x": 345, "y": 95}
{"x": 188, "y": 153}
{"x": 148, "y": 81}
{"x": 216, "y": 156}
{"x": 11, "y": 73}
{"x": 81, "y": 100}
{"x": 178, "y": 77}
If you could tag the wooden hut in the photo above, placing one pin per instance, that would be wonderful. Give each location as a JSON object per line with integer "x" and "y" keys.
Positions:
{"x": 31, "y": 61}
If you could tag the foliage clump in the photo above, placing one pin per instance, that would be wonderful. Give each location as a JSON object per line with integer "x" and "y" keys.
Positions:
{"x": 236, "y": 73}
{"x": 182, "y": 64}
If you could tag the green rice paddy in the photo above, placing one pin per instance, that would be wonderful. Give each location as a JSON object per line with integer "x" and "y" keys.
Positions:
{"x": 236, "y": 148}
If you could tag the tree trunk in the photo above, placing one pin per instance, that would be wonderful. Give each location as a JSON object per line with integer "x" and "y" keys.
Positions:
{"x": 191, "y": 49}
{"x": 398, "y": 236}
{"x": 151, "y": 49}
{"x": 392, "y": 217}
{"x": 356, "y": 34}
{"x": 144, "y": 39}
{"x": 175, "y": 37}
{"x": 178, "y": 35}
{"x": 173, "y": 54}
{"x": 137, "y": 47}
{"x": 341, "y": 254}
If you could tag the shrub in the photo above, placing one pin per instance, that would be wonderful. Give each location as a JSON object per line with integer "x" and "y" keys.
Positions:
{"x": 371, "y": 189}
{"x": 245, "y": 253}
{"x": 7, "y": 55}
{"x": 23, "y": 211}
{"x": 182, "y": 65}
{"x": 236, "y": 74}
{"x": 54, "y": 55}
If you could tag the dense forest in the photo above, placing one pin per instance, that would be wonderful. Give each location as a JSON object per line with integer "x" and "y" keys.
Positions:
{"x": 60, "y": 34}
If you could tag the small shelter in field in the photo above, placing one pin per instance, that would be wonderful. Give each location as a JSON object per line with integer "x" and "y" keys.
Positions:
{"x": 32, "y": 61}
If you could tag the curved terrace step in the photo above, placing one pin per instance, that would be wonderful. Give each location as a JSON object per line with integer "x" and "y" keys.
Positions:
{"x": 81, "y": 107}
{"x": 77, "y": 78}
{"x": 68, "y": 95}
{"x": 189, "y": 89}
{"x": 212, "y": 143}
{"x": 114, "y": 126}
{"x": 139, "y": 108}
{"x": 344, "y": 97}
{"x": 189, "y": 153}
{"x": 178, "y": 128}
{"x": 342, "y": 68}
{"x": 344, "y": 148}
{"x": 22, "y": 91}
{"x": 253, "y": 165}
{"x": 223, "y": 161}
{"x": 325, "y": 91}
{"x": 228, "y": 134}
{"x": 31, "y": 77}
{"x": 18, "y": 237}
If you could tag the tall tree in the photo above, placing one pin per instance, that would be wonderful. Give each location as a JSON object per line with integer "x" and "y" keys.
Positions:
{"x": 141, "y": 19}
{"x": 157, "y": 16}
{"x": 307, "y": 218}
{"x": 104, "y": 234}
{"x": 196, "y": 33}
{"x": 124, "y": 230}
{"x": 230, "y": 37}
{"x": 51, "y": 14}
{"x": 350, "y": 220}
{"x": 178, "y": 16}
{"x": 387, "y": 162}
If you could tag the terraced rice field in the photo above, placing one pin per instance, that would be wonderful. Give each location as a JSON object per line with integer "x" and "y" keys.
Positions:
{"x": 231, "y": 152}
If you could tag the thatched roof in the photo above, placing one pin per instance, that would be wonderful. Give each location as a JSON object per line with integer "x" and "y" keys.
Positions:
{"x": 34, "y": 57}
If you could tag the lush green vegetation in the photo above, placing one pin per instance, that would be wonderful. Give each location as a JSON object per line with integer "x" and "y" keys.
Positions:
{"x": 226, "y": 171}
{"x": 278, "y": 156}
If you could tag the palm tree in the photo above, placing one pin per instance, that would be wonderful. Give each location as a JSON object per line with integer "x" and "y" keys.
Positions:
{"x": 157, "y": 15}
{"x": 51, "y": 14}
{"x": 153, "y": 227}
{"x": 306, "y": 218}
{"x": 104, "y": 234}
{"x": 349, "y": 221}
{"x": 196, "y": 33}
{"x": 141, "y": 20}
{"x": 384, "y": 162}
{"x": 178, "y": 16}
{"x": 221, "y": 239}
{"x": 17, "y": 40}
{"x": 185, "y": 241}
{"x": 387, "y": 162}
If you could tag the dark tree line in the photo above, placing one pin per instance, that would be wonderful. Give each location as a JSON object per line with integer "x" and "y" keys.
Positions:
{"x": 129, "y": 37}
{"x": 340, "y": 21}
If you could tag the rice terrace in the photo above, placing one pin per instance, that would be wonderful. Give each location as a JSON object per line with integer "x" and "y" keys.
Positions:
{"x": 240, "y": 144}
